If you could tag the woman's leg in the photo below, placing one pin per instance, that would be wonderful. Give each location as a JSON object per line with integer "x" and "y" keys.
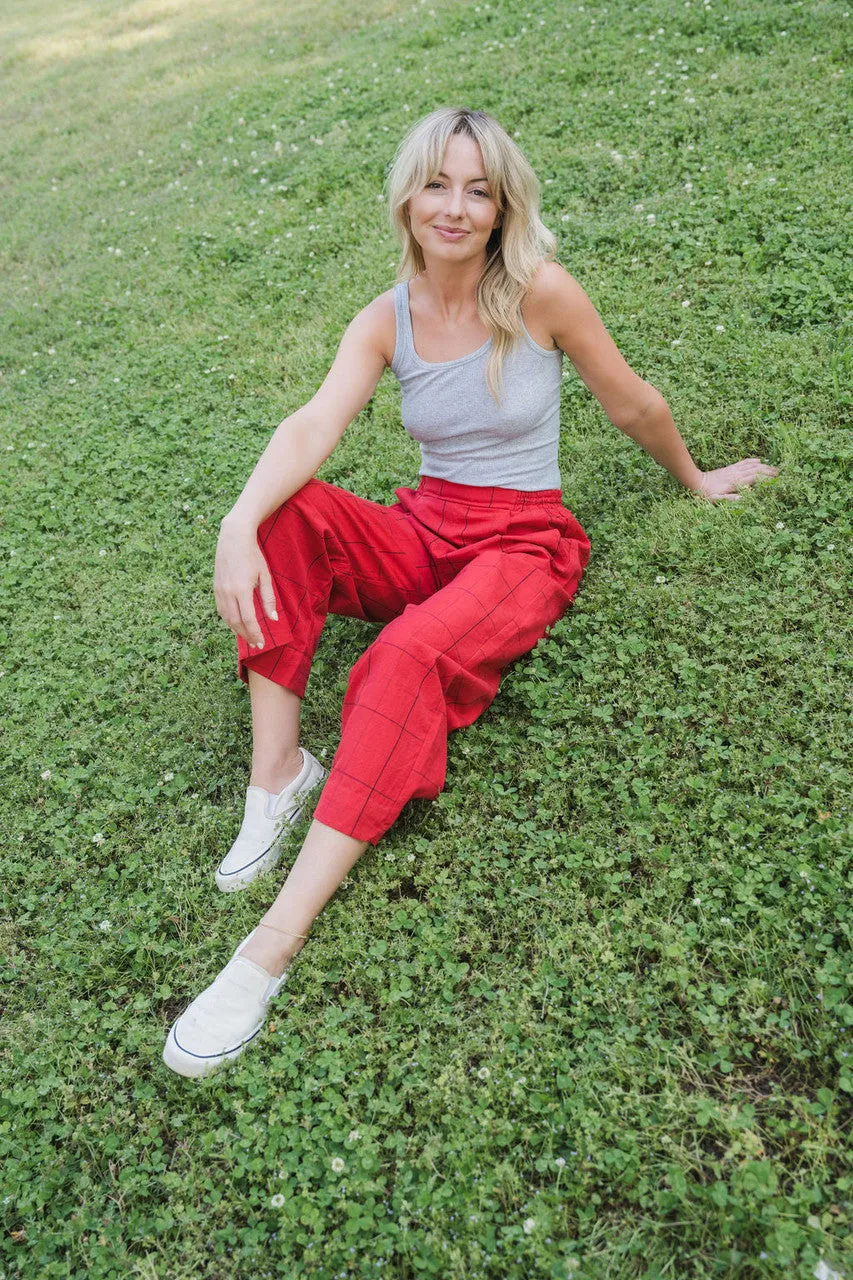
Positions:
{"x": 328, "y": 551}
{"x": 275, "y": 733}
{"x": 324, "y": 860}
{"x": 436, "y": 668}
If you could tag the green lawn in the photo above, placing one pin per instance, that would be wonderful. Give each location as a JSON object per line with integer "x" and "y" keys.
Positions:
{"x": 589, "y": 1013}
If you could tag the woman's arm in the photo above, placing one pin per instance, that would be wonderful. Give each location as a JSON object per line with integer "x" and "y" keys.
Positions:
{"x": 632, "y": 404}
{"x": 305, "y": 439}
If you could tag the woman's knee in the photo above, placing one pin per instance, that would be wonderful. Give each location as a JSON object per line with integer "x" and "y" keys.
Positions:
{"x": 304, "y": 505}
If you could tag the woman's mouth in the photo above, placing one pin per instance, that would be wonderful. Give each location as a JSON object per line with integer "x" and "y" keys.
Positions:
{"x": 449, "y": 234}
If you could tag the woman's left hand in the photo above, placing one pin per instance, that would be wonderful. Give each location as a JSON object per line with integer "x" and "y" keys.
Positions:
{"x": 725, "y": 482}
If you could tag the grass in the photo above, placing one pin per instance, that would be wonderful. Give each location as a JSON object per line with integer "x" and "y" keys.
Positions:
{"x": 588, "y": 1014}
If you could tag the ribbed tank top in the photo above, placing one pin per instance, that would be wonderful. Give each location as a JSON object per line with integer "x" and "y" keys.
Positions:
{"x": 463, "y": 435}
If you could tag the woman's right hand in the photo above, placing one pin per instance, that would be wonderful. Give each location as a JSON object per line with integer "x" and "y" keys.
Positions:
{"x": 241, "y": 567}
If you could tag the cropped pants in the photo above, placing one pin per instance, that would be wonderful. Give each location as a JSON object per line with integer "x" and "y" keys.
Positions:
{"x": 466, "y": 579}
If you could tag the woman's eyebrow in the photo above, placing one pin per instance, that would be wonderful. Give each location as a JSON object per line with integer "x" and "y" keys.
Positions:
{"x": 444, "y": 175}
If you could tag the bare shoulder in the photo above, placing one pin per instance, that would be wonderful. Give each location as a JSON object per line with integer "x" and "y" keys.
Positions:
{"x": 547, "y": 300}
{"x": 376, "y": 325}
{"x": 558, "y": 306}
{"x": 552, "y": 285}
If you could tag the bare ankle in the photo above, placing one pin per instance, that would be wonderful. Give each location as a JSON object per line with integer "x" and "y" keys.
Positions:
{"x": 272, "y": 949}
{"x": 275, "y": 775}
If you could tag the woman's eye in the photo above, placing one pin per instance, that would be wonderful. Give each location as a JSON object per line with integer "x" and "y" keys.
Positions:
{"x": 477, "y": 192}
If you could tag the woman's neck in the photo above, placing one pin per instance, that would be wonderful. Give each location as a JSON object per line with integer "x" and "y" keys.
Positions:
{"x": 451, "y": 290}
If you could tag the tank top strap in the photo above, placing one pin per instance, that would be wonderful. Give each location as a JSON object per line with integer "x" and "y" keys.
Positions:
{"x": 404, "y": 347}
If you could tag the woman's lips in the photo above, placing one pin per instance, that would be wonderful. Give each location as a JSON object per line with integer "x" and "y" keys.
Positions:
{"x": 448, "y": 234}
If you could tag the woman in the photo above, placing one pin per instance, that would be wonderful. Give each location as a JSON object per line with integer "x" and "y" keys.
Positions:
{"x": 468, "y": 571}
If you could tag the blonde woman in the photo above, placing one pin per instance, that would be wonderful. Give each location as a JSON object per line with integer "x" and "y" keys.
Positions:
{"x": 467, "y": 571}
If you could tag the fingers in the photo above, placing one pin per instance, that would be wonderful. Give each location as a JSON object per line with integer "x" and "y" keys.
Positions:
{"x": 238, "y": 614}
{"x": 250, "y": 631}
{"x": 268, "y": 596}
{"x": 755, "y": 467}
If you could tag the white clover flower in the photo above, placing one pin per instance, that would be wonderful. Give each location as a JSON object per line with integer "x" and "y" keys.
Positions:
{"x": 353, "y": 1135}
{"x": 686, "y": 302}
{"x": 720, "y": 328}
{"x": 338, "y": 1165}
{"x": 484, "y": 1073}
{"x": 46, "y": 775}
{"x": 277, "y": 1201}
{"x": 560, "y": 1162}
{"x": 688, "y": 186}
{"x": 660, "y": 578}
{"x": 831, "y": 546}
{"x": 697, "y": 902}
{"x": 529, "y": 1225}
{"x": 167, "y": 777}
{"x": 779, "y": 524}
{"x": 98, "y": 837}
{"x": 186, "y": 506}
{"x": 105, "y": 926}
{"x": 102, "y": 552}
{"x": 650, "y": 217}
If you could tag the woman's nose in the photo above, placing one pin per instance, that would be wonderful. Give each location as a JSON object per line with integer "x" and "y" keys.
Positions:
{"x": 455, "y": 203}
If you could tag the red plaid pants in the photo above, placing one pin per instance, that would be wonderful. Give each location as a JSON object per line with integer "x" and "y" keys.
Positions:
{"x": 466, "y": 578}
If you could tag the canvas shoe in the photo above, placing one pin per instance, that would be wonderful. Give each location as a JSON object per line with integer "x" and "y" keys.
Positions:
{"x": 257, "y": 848}
{"x": 224, "y": 1019}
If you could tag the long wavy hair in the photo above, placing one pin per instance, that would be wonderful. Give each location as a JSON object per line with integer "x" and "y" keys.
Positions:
{"x": 516, "y": 246}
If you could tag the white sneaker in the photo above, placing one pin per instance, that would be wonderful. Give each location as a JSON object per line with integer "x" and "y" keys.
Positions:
{"x": 226, "y": 1017}
{"x": 257, "y": 848}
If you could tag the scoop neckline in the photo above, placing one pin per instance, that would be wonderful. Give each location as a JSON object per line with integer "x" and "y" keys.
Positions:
{"x": 438, "y": 364}
{"x": 444, "y": 364}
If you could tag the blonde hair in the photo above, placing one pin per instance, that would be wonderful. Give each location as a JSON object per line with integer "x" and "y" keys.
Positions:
{"x": 516, "y": 246}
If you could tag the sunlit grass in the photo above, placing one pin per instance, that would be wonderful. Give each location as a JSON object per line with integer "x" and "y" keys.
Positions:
{"x": 588, "y": 1013}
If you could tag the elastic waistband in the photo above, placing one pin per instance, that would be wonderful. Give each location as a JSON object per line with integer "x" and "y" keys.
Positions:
{"x": 486, "y": 495}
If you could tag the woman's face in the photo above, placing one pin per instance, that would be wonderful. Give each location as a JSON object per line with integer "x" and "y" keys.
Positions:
{"x": 453, "y": 216}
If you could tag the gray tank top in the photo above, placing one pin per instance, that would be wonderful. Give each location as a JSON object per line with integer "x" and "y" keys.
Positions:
{"x": 463, "y": 435}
